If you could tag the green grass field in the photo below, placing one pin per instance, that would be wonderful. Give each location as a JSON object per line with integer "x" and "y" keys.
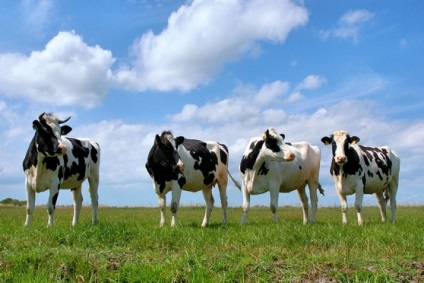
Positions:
{"x": 129, "y": 246}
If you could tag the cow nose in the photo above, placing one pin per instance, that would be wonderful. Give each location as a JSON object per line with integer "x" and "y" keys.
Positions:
{"x": 341, "y": 159}
{"x": 180, "y": 167}
{"x": 61, "y": 149}
{"x": 290, "y": 156}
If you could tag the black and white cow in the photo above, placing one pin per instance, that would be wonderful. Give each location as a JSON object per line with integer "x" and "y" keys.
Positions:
{"x": 55, "y": 162}
{"x": 270, "y": 164}
{"x": 360, "y": 170}
{"x": 177, "y": 164}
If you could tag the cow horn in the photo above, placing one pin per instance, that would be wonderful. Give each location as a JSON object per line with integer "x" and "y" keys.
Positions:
{"x": 64, "y": 121}
{"x": 41, "y": 115}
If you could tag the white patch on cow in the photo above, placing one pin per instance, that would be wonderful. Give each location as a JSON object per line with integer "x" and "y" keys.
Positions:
{"x": 283, "y": 177}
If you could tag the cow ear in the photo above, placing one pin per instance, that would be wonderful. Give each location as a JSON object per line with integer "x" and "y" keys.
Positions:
{"x": 35, "y": 125}
{"x": 265, "y": 135}
{"x": 64, "y": 130}
{"x": 157, "y": 140}
{"x": 326, "y": 140}
{"x": 354, "y": 140}
{"x": 179, "y": 140}
{"x": 283, "y": 136}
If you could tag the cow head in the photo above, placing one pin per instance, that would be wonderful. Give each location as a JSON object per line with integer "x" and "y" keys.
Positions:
{"x": 341, "y": 141}
{"x": 49, "y": 135}
{"x": 274, "y": 147}
{"x": 166, "y": 152}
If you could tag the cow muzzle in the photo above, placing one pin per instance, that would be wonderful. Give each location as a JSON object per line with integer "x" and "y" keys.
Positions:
{"x": 289, "y": 156}
{"x": 340, "y": 160}
{"x": 180, "y": 167}
{"x": 61, "y": 149}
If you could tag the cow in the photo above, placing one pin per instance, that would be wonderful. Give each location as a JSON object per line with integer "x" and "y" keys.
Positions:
{"x": 54, "y": 162}
{"x": 270, "y": 164}
{"x": 360, "y": 170}
{"x": 177, "y": 164}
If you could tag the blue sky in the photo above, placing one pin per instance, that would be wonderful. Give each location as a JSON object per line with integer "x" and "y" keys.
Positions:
{"x": 211, "y": 70}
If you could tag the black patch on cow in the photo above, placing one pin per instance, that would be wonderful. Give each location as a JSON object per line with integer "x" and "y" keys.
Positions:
{"x": 94, "y": 154}
{"x": 300, "y": 167}
{"x": 54, "y": 200}
{"x": 223, "y": 154}
{"x": 51, "y": 163}
{"x": 272, "y": 144}
{"x": 370, "y": 174}
{"x": 247, "y": 162}
{"x": 205, "y": 160}
{"x": 81, "y": 153}
{"x": 263, "y": 170}
{"x": 351, "y": 167}
{"x": 181, "y": 181}
{"x": 60, "y": 173}
{"x": 47, "y": 142}
{"x": 364, "y": 181}
{"x": 31, "y": 155}
{"x": 380, "y": 157}
{"x": 162, "y": 162}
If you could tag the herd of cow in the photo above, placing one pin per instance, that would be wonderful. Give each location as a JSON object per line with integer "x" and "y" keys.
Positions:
{"x": 55, "y": 162}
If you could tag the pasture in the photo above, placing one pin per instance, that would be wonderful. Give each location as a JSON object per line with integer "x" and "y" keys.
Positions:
{"x": 129, "y": 246}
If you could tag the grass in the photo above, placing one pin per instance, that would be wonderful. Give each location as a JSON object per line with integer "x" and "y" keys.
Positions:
{"x": 129, "y": 246}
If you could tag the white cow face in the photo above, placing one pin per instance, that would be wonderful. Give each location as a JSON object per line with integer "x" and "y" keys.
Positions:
{"x": 340, "y": 141}
{"x": 275, "y": 148}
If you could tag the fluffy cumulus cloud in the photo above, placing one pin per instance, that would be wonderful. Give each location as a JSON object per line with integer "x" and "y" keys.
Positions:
{"x": 202, "y": 36}
{"x": 349, "y": 25}
{"x": 245, "y": 106}
{"x": 66, "y": 72}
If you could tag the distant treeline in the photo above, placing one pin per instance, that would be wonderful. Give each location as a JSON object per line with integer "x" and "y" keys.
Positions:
{"x": 11, "y": 201}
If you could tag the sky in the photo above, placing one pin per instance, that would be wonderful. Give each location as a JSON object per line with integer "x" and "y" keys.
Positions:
{"x": 218, "y": 70}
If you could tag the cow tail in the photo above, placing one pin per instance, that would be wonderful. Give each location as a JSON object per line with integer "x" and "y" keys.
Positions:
{"x": 237, "y": 184}
{"x": 321, "y": 190}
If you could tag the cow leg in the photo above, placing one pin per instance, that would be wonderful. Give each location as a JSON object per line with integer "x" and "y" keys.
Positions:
{"x": 304, "y": 200}
{"x": 51, "y": 204}
{"x": 30, "y": 205}
{"x": 358, "y": 205}
{"x": 313, "y": 188}
{"x": 77, "y": 196}
{"x": 274, "y": 202}
{"x": 207, "y": 194}
{"x": 93, "y": 183}
{"x": 343, "y": 205}
{"x": 246, "y": 203}
{"x": 162, "y": 207}
{"x": 393, "y": 186}
{"x": 176, "y": 196}
{"x": 224, "y": 201}
{"x": 382, "y": 204}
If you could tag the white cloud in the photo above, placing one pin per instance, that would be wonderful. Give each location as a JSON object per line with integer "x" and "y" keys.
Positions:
{"x": 312, "y": 82}
{"x": 36, "y": 14}
{"x": 295, "y": 97}
{"x": 244, "y": 105}
{"x": 66, "y": 72}
{"x": 271, "y": 92}
{"x": 349, "y": 25}
{"x": 201, "y": 37}
{"x": 356, "y": 17}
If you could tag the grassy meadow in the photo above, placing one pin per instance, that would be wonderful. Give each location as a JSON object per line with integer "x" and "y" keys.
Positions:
{"x": 129, "y": 246}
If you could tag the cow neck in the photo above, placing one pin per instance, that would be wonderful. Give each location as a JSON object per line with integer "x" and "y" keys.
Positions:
{"x": 339, "y": 176}
{"x": 253, "y": 173}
